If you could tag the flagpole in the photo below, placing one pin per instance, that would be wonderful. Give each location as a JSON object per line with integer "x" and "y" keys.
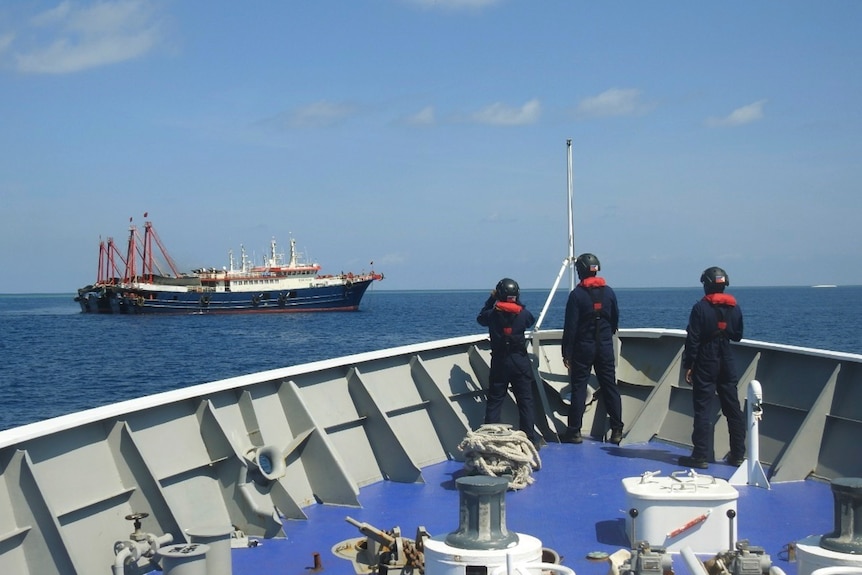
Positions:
{"x": 570, "y": 259}
{"x": 570, "y": 212}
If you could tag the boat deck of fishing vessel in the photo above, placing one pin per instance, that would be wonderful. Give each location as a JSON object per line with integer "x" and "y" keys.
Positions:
{"x": 576, "y": 507}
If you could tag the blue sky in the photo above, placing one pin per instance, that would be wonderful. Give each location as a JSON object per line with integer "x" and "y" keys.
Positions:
{"x": 430, "y": 137}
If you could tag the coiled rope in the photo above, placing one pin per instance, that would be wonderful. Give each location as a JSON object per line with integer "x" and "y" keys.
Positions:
{"x": 497, "y": 450}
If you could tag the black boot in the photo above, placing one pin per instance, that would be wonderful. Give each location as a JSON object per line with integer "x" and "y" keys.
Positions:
{"x": 572, "y": 437}
{"x": 735, "y": 460}
{"x": 694, "y": 462}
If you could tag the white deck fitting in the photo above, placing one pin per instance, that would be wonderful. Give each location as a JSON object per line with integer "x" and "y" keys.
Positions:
{"x": 681, "y": 511}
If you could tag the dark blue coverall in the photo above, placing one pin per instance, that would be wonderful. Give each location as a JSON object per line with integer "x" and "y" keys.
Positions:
{"x": 588, "y": 343}
{"x": 510, "y": 363}
{"x": 709, "y": 356}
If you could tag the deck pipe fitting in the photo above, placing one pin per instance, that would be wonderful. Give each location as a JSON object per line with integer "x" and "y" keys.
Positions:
{"x": 139, "y": 545}
{"x": 513, "y": 568}
{"x": 847, "y": 535}
{"x": 217, "y": 539}
{"x": 250, "y": 492}
{"x": 751, "y": 471}
{"x": 482, "y": 514}
{"x": 268, "y": 460}
{"x": 184, "y": 559}
{"x": 695, "y": 565}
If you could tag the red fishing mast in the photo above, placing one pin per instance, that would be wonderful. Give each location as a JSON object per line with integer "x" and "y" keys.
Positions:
{"x": 137, "y": 248}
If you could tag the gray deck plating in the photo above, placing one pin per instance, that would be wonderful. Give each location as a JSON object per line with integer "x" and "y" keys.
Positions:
{"x": 186, "y": 457}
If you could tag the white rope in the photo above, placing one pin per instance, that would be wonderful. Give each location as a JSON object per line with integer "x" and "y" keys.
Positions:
{"x": 495, "y": 449}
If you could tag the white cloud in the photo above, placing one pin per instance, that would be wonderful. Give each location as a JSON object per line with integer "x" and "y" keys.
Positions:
{"x": 424, "y": 117}
{"x": 71, "y": 38}
{"x": 613, "y": 102}
{"x": 63, "y": 57}
{"x": 6, "y": 41}
{"x": 320, "y": 114}
{"x": 740, "y": 116}
{"x": 391, "y": 259}
{"x": 54, "y": 15}
{"x": 502, "y": 115}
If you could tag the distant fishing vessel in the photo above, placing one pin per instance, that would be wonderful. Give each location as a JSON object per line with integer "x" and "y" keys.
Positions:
{"x": 277, "y": 285}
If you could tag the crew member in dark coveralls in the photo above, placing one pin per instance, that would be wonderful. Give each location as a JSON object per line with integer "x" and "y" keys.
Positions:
{"x": 506, "y": 319}
{"x": 592, "y": 319}
{"x": 715, "y": 321}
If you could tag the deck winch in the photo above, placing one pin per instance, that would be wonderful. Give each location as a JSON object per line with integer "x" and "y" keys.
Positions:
{"x": 382, "y": 551}
{"x": 743, "y": 559}
{"x": 843, "y": 546}
{"x": 481, "y": 541}
{"x": 647, "y": 560}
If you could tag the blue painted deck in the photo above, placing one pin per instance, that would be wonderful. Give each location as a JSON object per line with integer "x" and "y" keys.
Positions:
{"x": 575, "y": 506}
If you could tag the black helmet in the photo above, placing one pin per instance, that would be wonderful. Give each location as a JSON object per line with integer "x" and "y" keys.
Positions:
{"x": 508, "y": 290}
{"x": 714, "y": 280}
{"x": 587, "y": 265}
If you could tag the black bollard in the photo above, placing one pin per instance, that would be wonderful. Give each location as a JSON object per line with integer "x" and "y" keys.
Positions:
{"x": 847, "y": 536}
{"x": 482, "y": 510}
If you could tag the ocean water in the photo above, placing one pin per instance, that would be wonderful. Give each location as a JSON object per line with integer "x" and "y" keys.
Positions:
{"x": 55, "y": 360}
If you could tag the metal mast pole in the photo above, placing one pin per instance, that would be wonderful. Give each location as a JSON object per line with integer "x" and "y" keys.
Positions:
{"x": 570, "y": 258}
{"x": 131, "y": 266}
{"x": 570, "y": 212}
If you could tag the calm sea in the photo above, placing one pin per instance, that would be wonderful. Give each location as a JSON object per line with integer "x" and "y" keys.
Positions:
{"x": 55, "y": 360}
